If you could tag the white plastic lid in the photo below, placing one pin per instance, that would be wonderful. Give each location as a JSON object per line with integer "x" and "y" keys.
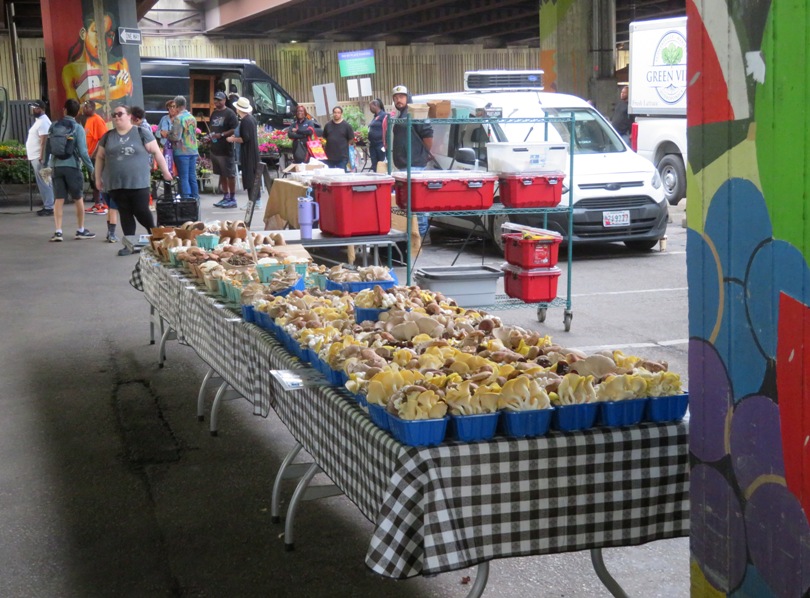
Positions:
{"x": 447, "y": 175}
{"x": 353, "y": 178}
{"x": 512, "y": 227}
{"x": 512, "y": 269}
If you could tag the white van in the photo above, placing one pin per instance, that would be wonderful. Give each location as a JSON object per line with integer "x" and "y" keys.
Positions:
{"x": 617, "y": 194}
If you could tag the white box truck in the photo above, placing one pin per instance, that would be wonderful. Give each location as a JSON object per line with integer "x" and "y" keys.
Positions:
{"x": 658, "y": 99}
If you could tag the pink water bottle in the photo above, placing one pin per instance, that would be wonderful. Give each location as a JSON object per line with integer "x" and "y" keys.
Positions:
{"x": 308, "y": 213}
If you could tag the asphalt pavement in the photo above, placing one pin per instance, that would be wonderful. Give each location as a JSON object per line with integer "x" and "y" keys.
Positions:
{"x": 110, "y": 487}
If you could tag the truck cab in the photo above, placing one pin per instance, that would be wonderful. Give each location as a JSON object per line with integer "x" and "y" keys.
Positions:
{"x": 197, "y": 80}
{"x": 617, "y": 195}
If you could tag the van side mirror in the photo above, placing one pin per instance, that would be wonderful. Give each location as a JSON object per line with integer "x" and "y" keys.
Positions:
{"x": 465, "y": 155}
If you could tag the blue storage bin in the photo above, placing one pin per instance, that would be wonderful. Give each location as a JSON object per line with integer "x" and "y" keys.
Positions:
{"x": 473, "y": 428}
{"x": 361, "y": 314}
{"x": 420, "y": 432}
{"x": 666, "y": 409}
{"x": 248, "y": 314}
{"x": 378, "y": 415}
{"x": 526, "y": 424}
{"x": 621, "y": 413}
{"x": 575, "y": 417}
{"x": 356, "y": 287}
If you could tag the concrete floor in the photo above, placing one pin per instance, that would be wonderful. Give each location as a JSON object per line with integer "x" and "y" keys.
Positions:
{"x": 109, "y": 486}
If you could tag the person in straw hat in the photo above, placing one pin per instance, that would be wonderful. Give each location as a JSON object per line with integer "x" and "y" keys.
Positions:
{"x": 249, "y": 143}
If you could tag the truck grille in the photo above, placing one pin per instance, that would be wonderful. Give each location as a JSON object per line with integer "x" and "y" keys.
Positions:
{"x": 614, "y": 203}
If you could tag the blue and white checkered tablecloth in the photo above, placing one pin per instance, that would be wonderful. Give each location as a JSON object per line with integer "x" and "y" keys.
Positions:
{"x": 459, "y": 504}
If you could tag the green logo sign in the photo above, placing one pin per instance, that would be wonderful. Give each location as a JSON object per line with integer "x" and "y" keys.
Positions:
{"x": 359, "y": 62}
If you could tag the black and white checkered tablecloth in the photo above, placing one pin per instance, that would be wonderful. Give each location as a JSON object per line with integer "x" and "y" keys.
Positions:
{"x": 449, "y": 507}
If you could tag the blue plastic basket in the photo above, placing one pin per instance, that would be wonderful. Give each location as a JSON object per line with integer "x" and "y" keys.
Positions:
{"x": 356, "y": 287}
{"x": 568, "y": 418}
{"x": 300, "y": 285}
{"x": 420, "y": 432}
{"x": 249, "y": 314}
{"x": 473, "y": 428}
{"x": 379, "y": 415}
{"x": 666, "y": 409}
{"x": 361, "y": 314}
{"x": 526, "y": 424}
{"x": 621, "y": 413}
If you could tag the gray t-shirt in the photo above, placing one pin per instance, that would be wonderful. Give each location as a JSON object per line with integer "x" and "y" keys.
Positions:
{"x": 127, "y": 164}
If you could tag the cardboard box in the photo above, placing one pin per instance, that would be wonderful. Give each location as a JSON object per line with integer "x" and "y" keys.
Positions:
{"x": 439, "y": 109}
{"x": 313, "y": 164}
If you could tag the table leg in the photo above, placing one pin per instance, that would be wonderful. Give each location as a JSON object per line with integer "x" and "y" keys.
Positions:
{"x": 201, "y": 395}
{"x": 215, "y": 408}
{"x": 167, "y": 335}
{"x": 276, "y": 496}
{"x": 481, "y": 577}
{"x": 300, "y": 489}
{"x": 604, "y": 575}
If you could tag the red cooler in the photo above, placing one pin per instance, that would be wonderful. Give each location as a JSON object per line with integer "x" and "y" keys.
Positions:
{"x": 446, "y": 190}
{"x": 354, "y": 204}
{"x": 538, "y": 285}
{"x": 541, "y": 251}
{"x": 531, "y": 190}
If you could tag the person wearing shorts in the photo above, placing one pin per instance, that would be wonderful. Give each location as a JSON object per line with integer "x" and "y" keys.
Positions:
{"x": 223, "y": 123}
{"x": 67, "y": 178}
{"x": 112, "y": 215}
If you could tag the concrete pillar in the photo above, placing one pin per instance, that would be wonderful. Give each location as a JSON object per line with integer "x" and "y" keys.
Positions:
{"x": 84, "y": 56}
{"x": 565, "y": 44}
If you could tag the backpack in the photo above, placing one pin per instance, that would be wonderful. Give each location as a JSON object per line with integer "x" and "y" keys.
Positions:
{"x": 62, "y": 139}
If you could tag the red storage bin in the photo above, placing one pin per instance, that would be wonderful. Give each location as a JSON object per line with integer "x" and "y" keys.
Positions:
{"x": 354, "y": 204}
{"x": 445, "y": 190}
{"x": 538, "y": 285}
{"x": 532, "y": 253}
{"x": 531, "y": 190}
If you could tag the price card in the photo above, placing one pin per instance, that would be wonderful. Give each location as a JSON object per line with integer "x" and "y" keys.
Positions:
{"x": 297, "y": 379}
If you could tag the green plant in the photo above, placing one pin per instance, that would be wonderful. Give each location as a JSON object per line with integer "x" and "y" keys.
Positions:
{"x": 14, "y": 167}
{"x": 354, "y": 116}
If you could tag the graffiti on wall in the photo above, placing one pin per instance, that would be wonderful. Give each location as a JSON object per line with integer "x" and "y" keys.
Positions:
{"x": 749, "y": 298}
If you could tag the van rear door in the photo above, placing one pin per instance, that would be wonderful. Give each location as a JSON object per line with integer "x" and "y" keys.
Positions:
{"x": 162, "y": 81}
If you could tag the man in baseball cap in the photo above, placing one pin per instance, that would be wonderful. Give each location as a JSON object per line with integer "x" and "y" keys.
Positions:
{"x": 222, "y": 123}
{"x": 35, "y": 151}
{"x": 400, "y": 90}
{"x": 37, "y": 104}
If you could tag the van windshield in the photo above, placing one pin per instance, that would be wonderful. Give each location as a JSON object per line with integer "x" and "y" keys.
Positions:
{"x": 592, "y": 134}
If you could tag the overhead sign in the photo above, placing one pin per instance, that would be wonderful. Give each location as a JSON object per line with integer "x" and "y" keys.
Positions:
{"x": 358, "y": 62}
{"x": 129, "y": 36}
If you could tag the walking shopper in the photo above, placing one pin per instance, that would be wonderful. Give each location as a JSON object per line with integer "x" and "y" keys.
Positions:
{"x": 186, "y": 150}
{"x": 65, "y": 150}
{"x": 35, "y": 151}
{"x": 123, "y": 169}
{"x": 94, "y": 129}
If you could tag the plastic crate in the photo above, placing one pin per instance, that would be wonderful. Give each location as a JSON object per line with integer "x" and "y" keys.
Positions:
{"x": 531, "y": 190}
{"x": 538, "y": 285}
{"x": 445, "y": 190}
{"x": 568, "y": 418}
{"x": 354, "y": 204}
{"x": 175, "y": 213}
{"x": 470, "y": 286}
{"x": 420, "y": 432}
{"x": 361, "y": 314}
{"x": 532, "y": 253}
{"x": 473, "y": 428}
{"x": 526, "y": 424}
{"x": 356, "y": 287}
{"x": 516, "y": 158}
{"x": 621, "y": 413}
{"x": 666, "y": 409}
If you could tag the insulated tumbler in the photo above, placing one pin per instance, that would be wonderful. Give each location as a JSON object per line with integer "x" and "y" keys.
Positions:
{"x": 308, "y": 213}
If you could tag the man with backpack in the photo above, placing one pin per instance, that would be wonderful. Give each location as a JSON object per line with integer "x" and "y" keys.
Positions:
{"x": 67, "y": 144}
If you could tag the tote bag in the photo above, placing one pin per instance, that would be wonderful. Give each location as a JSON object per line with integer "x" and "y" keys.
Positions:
{"x": 316, "y": 148}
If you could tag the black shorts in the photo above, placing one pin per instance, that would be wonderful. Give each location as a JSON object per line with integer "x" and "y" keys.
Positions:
{"x": 224, "y": 166}
{"x": 68, "y": 182}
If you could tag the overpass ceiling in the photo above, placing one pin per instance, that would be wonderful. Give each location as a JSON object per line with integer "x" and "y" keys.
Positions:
{"x": 492, "y": 23}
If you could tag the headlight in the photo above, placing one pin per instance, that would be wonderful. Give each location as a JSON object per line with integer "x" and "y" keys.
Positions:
{"x": 564, "y": 189}
{"x": 656, "y": 180}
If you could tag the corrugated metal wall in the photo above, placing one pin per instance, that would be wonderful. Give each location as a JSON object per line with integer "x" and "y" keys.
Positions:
{"x": 424, "y": 68}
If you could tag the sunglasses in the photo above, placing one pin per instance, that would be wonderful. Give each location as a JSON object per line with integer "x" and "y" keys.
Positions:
{"x": 119, "y": 114}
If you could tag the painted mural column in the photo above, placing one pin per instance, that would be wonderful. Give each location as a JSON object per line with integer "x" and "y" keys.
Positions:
{"x": 565, "y": 37}
{"x": 85, "y": 60}
{"x": 749, "y": 297}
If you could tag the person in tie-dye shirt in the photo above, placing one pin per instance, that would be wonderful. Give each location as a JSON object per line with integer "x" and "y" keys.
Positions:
{"x": 185, "y": 148}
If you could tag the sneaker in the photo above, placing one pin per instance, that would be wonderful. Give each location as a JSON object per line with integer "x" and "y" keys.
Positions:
{"x": 84, "y": 234}
{"x": 91, "y": 209}
{"x": 111, "y": 238}
{"x": 45, "y": 212}
{"x": 225, "y": 199}
{"x": 100, "y": 209}
{"x": 124, "y": 251}
{"x": 231, "y": 203}
{"x": 57, "y": 238}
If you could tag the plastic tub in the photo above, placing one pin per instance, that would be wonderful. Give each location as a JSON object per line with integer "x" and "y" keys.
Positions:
{"x": 526, "y": 424}
{"x": 300, "y": 285}
{"x": 445, "y": 190}
{"x": 361, "y": 314}
{"x": 470, "y": 286}
{"x": 532, "y": 253}
{"x": 420, "y": 432}
{"x": 266, "y": 271}
{"x": 473, "y": 428}
{"x": 538, "y": 285}
{"x": 248, "y": 314}
{"x": 666, "y": 409}
{"x": 568, "y": 418}
{"x": 517, "y": 158}
{"x": 621, "y": 413}
{"x": 531, "y": 190}
{"x": 378, "y": 415}
{"x": 354, "y": 204}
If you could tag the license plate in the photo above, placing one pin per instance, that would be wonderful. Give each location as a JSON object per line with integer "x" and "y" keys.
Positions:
{"x": 620, "y": 218}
